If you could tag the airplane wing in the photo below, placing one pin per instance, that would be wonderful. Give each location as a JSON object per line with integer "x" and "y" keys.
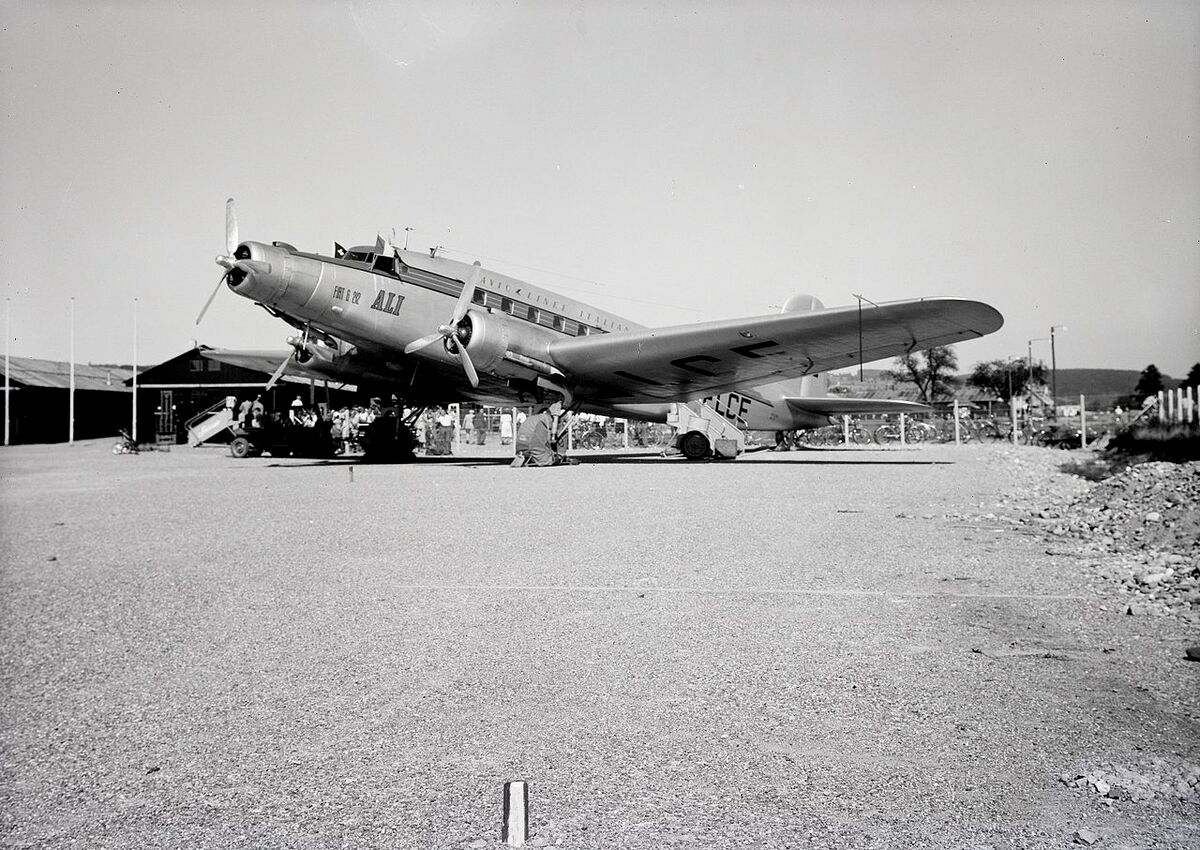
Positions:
{"x": 263, "y": 361}
{"x": 839, "y": 406}
{"x": 694, "y": 361}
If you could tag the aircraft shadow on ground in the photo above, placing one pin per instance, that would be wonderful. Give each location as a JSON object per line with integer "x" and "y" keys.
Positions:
{"x": 816, "y": 457}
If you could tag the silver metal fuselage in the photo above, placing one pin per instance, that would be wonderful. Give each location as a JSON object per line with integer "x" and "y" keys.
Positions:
{"x": 377, "y": 304}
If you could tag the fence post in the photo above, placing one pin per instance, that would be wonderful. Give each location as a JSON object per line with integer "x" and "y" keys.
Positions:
{"x": 1013, "y": 413}
{"x": 957, "y": 435}
{"x": 903, "y": 422}
{"x": 1082, "y": 423}
{"x": 845, "y": 430}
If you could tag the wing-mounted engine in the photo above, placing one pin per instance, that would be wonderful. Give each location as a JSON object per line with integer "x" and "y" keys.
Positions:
{"x": 483, "y": 340}
{"x": 486, "y": 338}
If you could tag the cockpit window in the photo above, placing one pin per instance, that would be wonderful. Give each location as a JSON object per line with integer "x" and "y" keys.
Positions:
{"x": 358, "y": 256}
{"x": 384, "y": 263}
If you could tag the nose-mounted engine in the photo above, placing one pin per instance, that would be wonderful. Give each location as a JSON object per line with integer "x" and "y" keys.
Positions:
{"x": 237, "y": 273}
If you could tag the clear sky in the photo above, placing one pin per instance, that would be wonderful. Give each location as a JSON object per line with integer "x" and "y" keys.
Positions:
{"x": 669, "y": 161}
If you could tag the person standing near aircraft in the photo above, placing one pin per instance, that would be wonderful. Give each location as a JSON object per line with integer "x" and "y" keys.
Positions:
{"x": 257, "y": 412}
{"x": 481, "y": 427}
{"x": 243, "y": 413}
{"x": 444, "y": 434}
{"x": 506, "y": 428}
{"x": 468, "y": 422}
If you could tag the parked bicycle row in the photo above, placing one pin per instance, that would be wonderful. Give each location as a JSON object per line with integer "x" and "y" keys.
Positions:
{"x": 1036, "y": 432}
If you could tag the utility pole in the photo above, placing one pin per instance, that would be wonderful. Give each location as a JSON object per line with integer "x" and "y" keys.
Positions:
{"x": 860, "y": 341}
{"x": 7, "y": 388}
{"x": 71, "y": 411}
{"x": 1029, "y": 368}
{"x": 1054, "y": 368}
{"x": 133, "y": 426}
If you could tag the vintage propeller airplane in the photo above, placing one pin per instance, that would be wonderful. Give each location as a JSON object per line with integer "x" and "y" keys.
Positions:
{"x": 435, "y": 330}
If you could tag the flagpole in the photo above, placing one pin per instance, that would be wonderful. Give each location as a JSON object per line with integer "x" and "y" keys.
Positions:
{"x": 7, "y": 389}
{"x": 71, "y": 414}
{"x": 133, "y": 427}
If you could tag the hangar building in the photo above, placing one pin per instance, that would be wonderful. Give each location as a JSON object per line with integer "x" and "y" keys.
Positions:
{"x": 189, "y": 385}
{"x": 40, "y": 394}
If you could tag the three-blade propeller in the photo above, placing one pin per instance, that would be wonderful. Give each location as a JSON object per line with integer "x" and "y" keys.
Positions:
{"x": 300, "y": 353}
{"x": 451, "y": 333}
{"x": 226, "y": 260}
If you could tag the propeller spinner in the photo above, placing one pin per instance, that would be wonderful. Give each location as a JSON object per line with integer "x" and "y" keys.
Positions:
{"x": 455, "y": 334}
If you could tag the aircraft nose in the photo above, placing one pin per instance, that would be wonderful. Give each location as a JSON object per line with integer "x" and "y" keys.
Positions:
{"x": 255, "y": 271}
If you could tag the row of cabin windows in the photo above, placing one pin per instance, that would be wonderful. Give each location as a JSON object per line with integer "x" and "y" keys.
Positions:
{"x": 387, "y": 264}
{"x": 532, "y": 314}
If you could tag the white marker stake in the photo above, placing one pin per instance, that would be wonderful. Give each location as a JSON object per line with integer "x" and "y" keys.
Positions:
{"x": 845, "y": 430}
{"x": 515, "y": 829}
{"x": 903, "y": 427}
{"x": 957, "y": 432}
{"x": 1013, "y": 414}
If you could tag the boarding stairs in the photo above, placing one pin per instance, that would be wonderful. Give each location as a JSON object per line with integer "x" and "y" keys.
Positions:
{"x": 725, "y": 438}
{"x": 208, "y": 423}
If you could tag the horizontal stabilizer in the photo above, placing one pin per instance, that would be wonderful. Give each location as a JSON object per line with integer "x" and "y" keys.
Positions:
{"x": 826, "y": 406}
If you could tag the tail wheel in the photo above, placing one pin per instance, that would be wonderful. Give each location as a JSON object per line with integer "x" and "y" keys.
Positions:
{"x": 694, "y": 446}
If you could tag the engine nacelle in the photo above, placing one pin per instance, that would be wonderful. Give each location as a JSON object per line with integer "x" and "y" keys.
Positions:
{"x": 485, "y": 336}
{"x": 490, "y": 336}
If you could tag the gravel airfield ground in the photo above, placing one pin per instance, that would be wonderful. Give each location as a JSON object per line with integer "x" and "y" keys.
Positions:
{"x": 813, "y": 649}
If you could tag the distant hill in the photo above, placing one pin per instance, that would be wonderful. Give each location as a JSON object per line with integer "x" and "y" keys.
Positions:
{"x": 1100, "y": 385}
{"x": 1098, "y": 382}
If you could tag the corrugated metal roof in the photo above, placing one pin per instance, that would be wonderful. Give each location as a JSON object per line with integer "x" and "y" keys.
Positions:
{"x": 29, "y": 372}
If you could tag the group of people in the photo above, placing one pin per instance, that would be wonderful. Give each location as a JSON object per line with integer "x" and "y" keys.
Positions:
{"x": 345, "y": 424}
{"x": 437, "y": 429}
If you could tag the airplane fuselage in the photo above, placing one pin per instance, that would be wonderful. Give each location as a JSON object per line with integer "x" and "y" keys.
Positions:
{"x": 375, "y": 303}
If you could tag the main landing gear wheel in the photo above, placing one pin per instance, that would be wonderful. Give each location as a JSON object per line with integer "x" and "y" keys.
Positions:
{"x": 240, "y": 447}
{"x": 388, "y": 440}
{"x": 695, "y": 446}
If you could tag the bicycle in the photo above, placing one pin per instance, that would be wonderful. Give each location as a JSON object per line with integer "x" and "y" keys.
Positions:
{"x": 914, "y": 432}
{"x": 126, "y": 445}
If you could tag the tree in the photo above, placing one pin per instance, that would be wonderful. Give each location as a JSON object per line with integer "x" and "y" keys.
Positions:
{"x": 1006, "y": 379}
{"x": 932, "y": 370}
{"x": 1193, "y": 377}
{"x": 1149, "y": 383}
